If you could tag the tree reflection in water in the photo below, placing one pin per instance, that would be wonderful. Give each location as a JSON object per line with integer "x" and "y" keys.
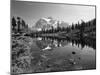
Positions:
{"x": 79, "y": 42}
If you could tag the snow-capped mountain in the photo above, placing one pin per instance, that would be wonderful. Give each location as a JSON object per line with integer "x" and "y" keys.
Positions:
{"x": 49, "y": 23}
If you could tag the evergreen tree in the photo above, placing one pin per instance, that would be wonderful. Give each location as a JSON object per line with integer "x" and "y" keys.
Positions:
{"x": 82, "y": 28}
{"x": 23, "y": 24}
{"x": 94, "y": 22}
{"x": 13, "y": 23}
{"x": 18, "y": 23}
{"x": 72, "y": 26}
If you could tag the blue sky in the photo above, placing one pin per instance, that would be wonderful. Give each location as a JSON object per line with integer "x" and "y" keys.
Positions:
{"x": 31, "y": 12}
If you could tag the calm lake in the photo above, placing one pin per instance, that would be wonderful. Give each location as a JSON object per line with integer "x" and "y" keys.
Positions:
{"x": 51, "y": 54}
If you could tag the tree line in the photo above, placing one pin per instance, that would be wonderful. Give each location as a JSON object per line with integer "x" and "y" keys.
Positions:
{"x": 18, "y": 24}
{"x": 78, "y": 26}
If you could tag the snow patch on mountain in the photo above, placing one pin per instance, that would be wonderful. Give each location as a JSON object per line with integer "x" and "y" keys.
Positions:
{"x": 47, "y": 23}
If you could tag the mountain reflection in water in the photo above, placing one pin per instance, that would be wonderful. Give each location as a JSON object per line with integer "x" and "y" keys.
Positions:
{"x": 55, "y": 54}
{"x": 79, "y": 42}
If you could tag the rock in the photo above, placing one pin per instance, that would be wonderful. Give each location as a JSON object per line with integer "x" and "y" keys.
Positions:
{"x": 73, "y": 52}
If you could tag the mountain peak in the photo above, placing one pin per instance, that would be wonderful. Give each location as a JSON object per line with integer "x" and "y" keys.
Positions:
{"x": 46, "y": 19}
{"x": 47, "y": 23}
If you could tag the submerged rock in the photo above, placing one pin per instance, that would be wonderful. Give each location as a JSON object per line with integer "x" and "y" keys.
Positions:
{"x": 73, "y": 52}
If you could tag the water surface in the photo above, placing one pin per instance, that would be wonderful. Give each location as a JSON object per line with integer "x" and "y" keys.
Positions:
{"x": 56, "y": 54}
